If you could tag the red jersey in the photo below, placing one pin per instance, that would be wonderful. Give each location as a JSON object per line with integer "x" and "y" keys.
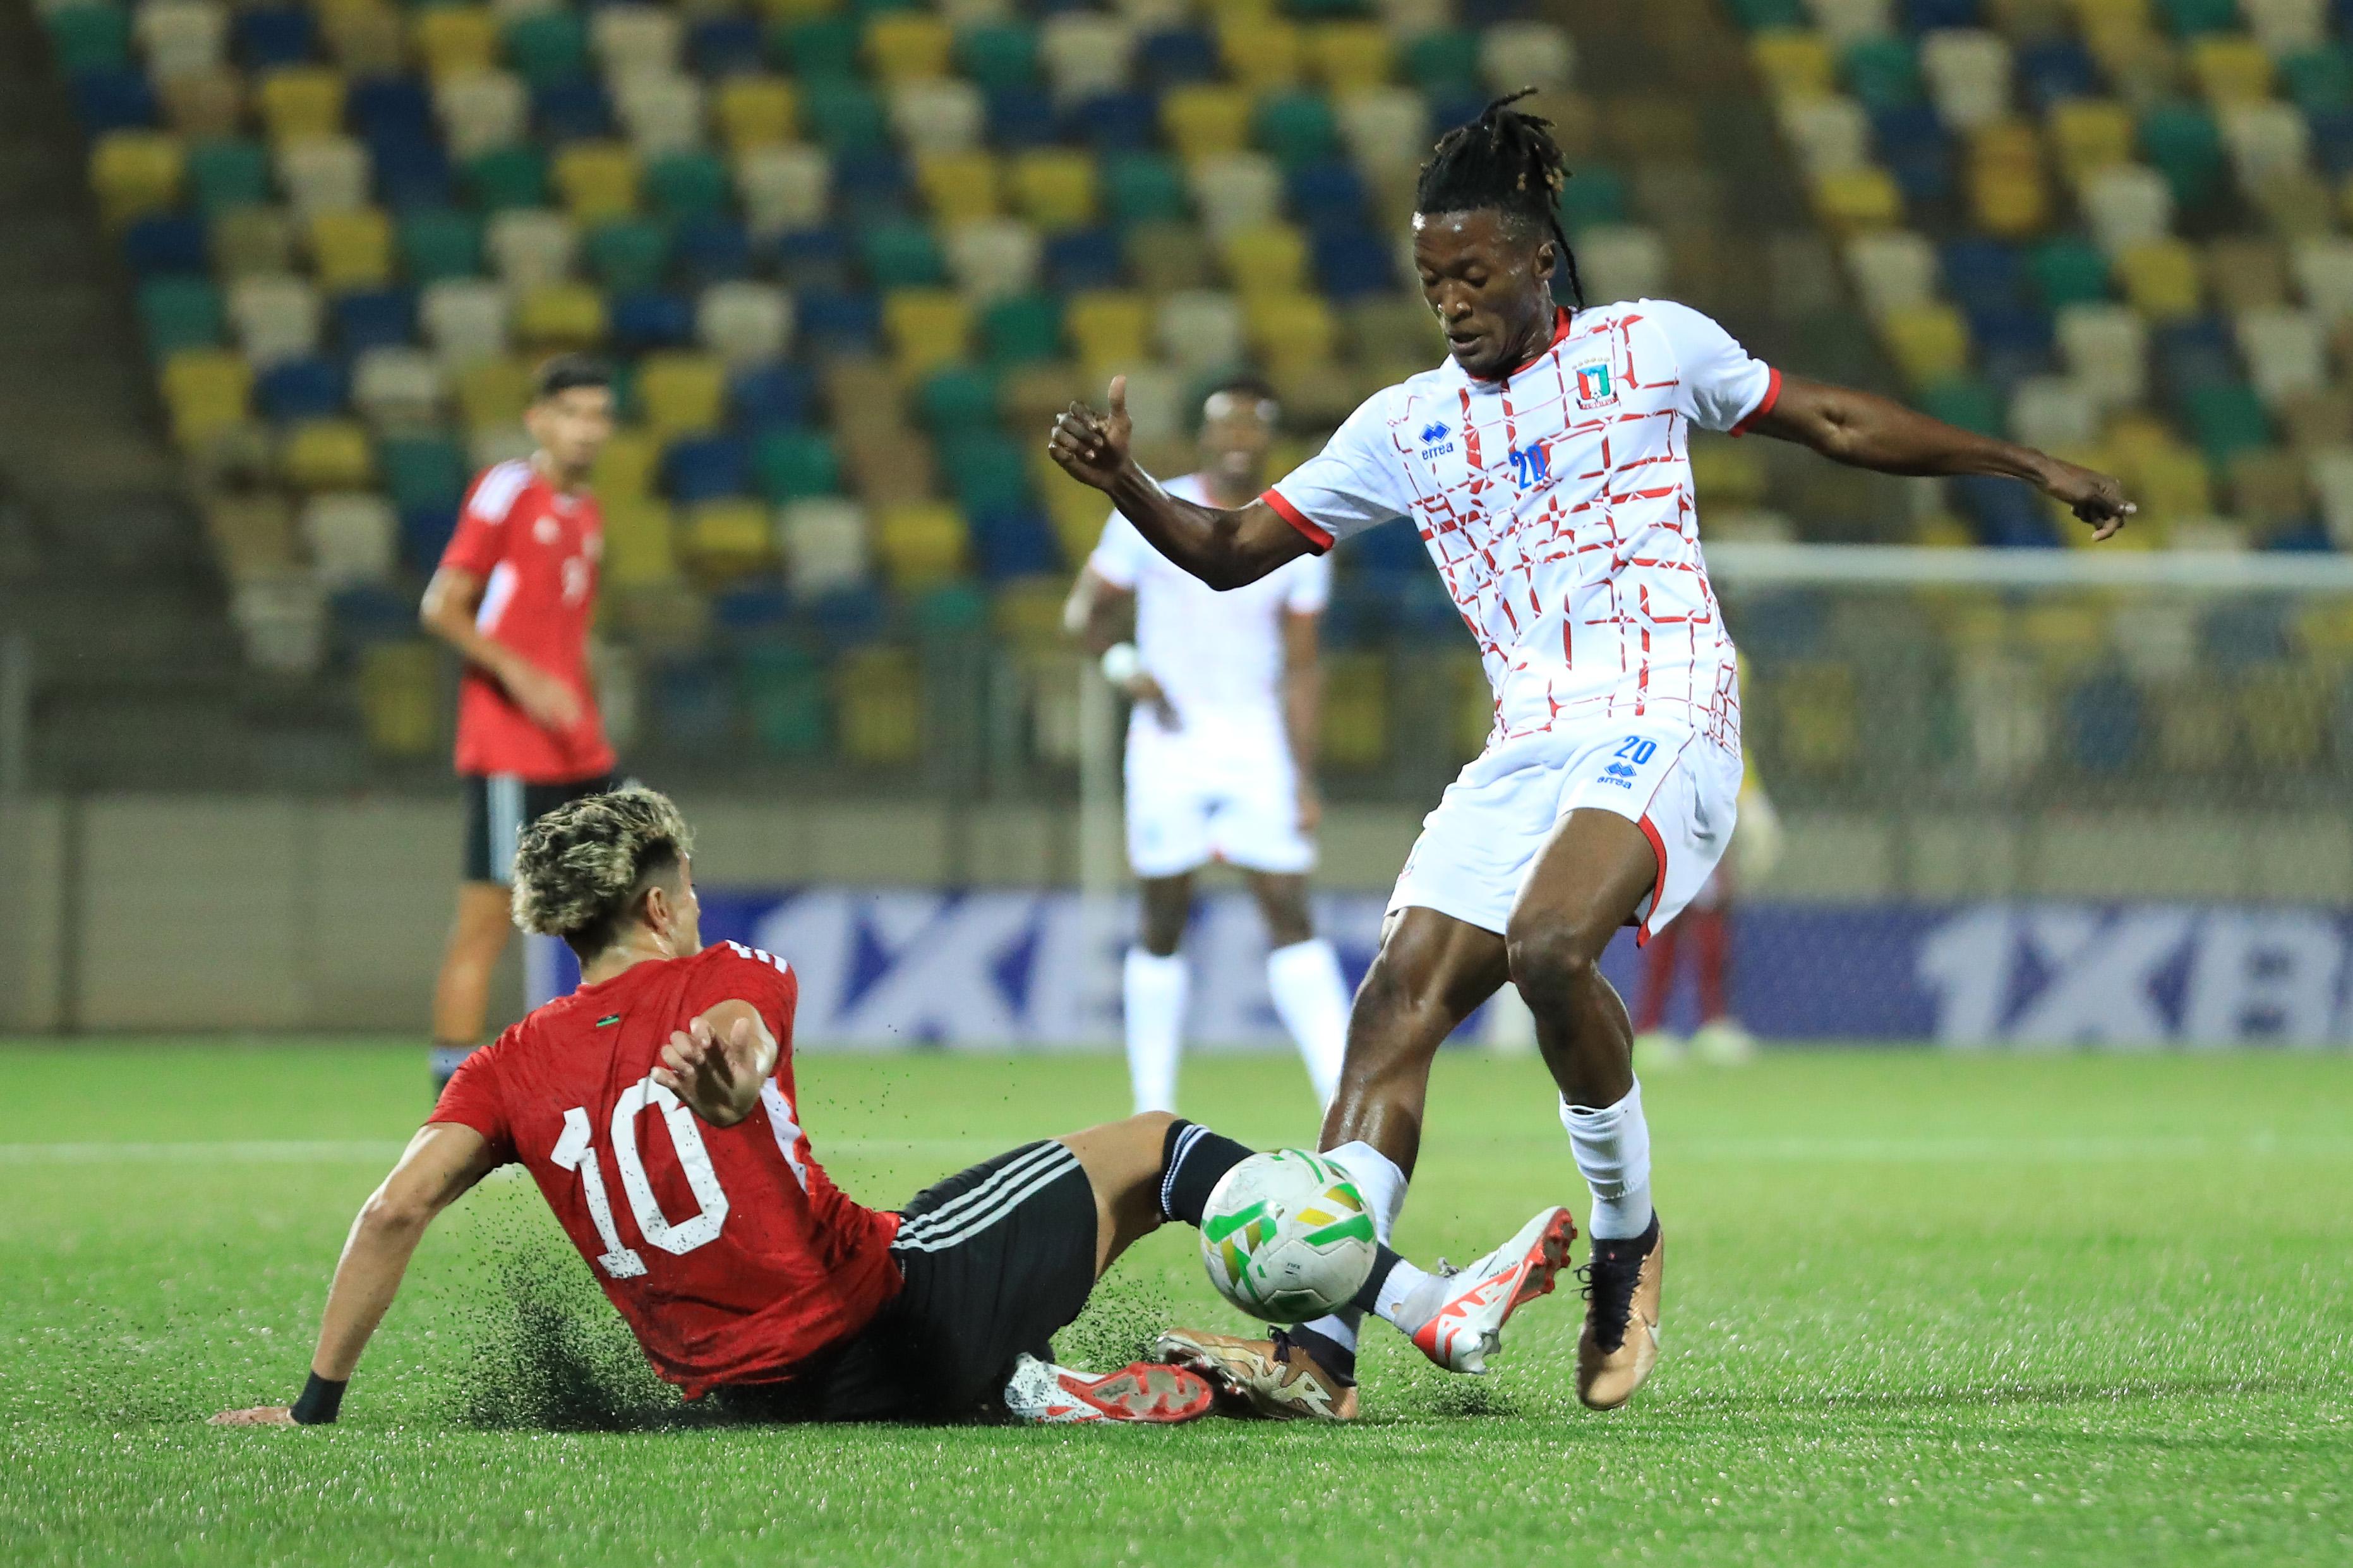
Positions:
{"x": 728, "y": 1249}
{"x": 536, "y": 550}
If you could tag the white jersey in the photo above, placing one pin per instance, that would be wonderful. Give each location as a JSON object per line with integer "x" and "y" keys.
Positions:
{"x": 1217, "y": 655}
{"x": 1558, "y": 506}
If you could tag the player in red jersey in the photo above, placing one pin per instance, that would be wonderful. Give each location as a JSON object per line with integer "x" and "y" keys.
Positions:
{"x": 515, "y": 594}
{"x": 657, "y": 1109}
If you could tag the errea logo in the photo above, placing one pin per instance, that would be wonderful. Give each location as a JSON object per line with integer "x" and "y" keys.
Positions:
{"x": 1434, "y": 439}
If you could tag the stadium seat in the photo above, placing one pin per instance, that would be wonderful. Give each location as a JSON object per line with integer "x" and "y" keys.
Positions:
{"x": 902, "y": 254}
{"x": 276, "y": 317}
{"x": 1200, "y": 331}
{"x": 628, "y": 255}
{"x": 507, "y": 177}
{"x": 721, "y": 539}
{"x": 530, "y": 247}
{"x": 659, "y": 112}
{"x": 558, "y": 316}
{"x": 927, "y": 327}
{"x": 223, "y": 173}
{"x": 878, "y": 700}
{"x": 327, "y": 455}
{"x": 206, "y": 391}
{"x": 993, "y": 259}
{"x": 1205, "y": 121}
{"x": 756, "y": 112}
{"x": 782, "y": 187}
{"x": 795, "y": 464}
{"x": 1266, "y": 258}
{"x": 921, "y": 544}
{"x": 350, "y": 539}
{"x": 200, "y": 104}
{"x": 368, "y": 318}
{"x": 178, "y": 37}
{"x": 301, "y": 103}
{"x": 1055, "y": 190}
{"x": 136, "y": 172}
{"x": 597, "y": 180}
{"x": 1109, "y": 329}
{"x": 480, "y": 110}
{"x": 743, "y": 322}
{"x": 324, "y": 174}
{"x": 1237, "y": 190}
{"x": 464, "y": 319}
{"x": 1085, "y": 53}
{"x": 2161, "y": 279}
{"x": 351, "y": 248}
{"x": 908, "y": 45}
{"x": 682, "y": 393}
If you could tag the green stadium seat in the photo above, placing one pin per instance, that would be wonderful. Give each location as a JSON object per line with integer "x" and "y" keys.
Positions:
{"x": 1966, "y": 401}
{"x": 987, "y": 471}
{"x": 547, "y": 46}
{"x": 1144, "y": 187}
{"x": 2318, "y": 79}
{"x": 1023, "y": 330}
{"x": 2069, "y": 272}
{"x": 90, "y": 37}
{"x": 179, "y": 313}
{"x": 1595, "y": 193}
{"x": 818, "y": 47}
{"x": 794, "y": 465}
{"x": 1296, "y": 128}
{"x": 682, "y": 186}
{"x": 227, "y": 171}
{"x": 902, "y": 254}
{"x": 999, "y": 55}
{"x": 2190, "y": 17}
{"x": 422, "y": 471}
{"x": 507, "y": 177}
{"x": 1883, "y": 73}
{"x": 784, "y": 694}
{"x": 2183, "y": 144}
{"x": 629, "y": 256}
{"x": 1444, "y": 63}
{"x": 437, "y": 243}
{"x": 958, "y": 397}
{"x": 2225, "y": 420}
{"x": 950, "y": 610}
{"x": 1771, "y": 16}
{"x": 844, "y": 115}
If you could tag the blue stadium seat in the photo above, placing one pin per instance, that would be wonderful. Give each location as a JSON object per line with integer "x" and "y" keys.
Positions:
{"x": 651, "y": 321}
{"x": 108, "y": 100}
{"x": 987, "y": 470}
{"x": 425, "y": 533}
{"x": 310, "y": 387}
{"x": 1017, "y": 544}
{"x": 268, "y": 36}
{"x": 713, "y": 250}
{"x": 2245, "y": 631}
{"x": 168, "y": 242}
{"x": 374, "y": 318}
{"x": 1116, "y": 122}
{"x": 368, "y": 612}
{"x": 1487, "y": 13}
{"x": 1330, "y": 195}
{"x": 726, "y": 45}
{"x": 1917, "y": 150}
{"x": 768, "y": 395}
{"x": 814, "y": 259}
{"x": 2057, "y": 70}
{"x": 2332, "y": 141}
{"x": 755, "y": 606}
{"x": 870, "y": 184}
{"x": 848, "y": 617}
{"x": 2104, "y": 722}
{"x": 2005, "y": 513}
{"x": 1981, "y": 274}
{"x": 694, "y": 705}
{"x": 1353, "y": 262}
{"x": 1927, "y": 16}
{"x": 574, "y": 109}
{"x": 2192, "y": 354}
{"x": 1176, "y": 56}
{"x": 1084, "y": 258}
{"x": 705, "y": 467}
{"x": 1022, "y": 117}
{"x": 388, "y": 105}
{"x": 411, "y": 170}
{"x": 2014, "y": 343}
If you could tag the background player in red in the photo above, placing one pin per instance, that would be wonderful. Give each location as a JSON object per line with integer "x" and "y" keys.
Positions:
{"x": 515, "y": 595}
{"x": 656, "y": 1108}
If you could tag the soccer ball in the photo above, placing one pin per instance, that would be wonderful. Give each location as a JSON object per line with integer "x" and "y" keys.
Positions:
{"x": 1285, "y": 1236}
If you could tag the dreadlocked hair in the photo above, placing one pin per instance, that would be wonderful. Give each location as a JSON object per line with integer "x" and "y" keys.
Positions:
{"x": 1506, "y": 160}
{"x": 581, "y": 870}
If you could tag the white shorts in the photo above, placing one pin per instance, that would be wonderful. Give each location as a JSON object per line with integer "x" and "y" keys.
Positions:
{"x": 1230, "y": 794}
{"x": 1478, "y": 847}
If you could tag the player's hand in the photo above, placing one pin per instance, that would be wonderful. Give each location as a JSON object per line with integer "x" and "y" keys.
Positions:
{"x": 1145, "y": 692}
{"x": 711, "y": 1075}
{"x": 259, "y": 1416}
{"x": 2094, "y": 497}
{"x": 1091, "y": 447}
{"x": 1311, "y": 807}
{"x": 546, "y": 701}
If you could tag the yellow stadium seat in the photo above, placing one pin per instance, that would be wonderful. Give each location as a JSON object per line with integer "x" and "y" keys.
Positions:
{"x": 1260, "y": 52}
{"x": 725, "y": 539}
{"x": 400, "y": 697}
{"x": 627, "y": 467}
{"x": 2112, "y": 13}
{"x": 1026, "y": 612}
{"x": 351, "y": 250}
{"x": 135, "y": 172}
{"x": 1350, "y": 57}
{"x": 453, "y": 39}
{"x": 1927, "y": 343}
{"x": 561, "y": 316}
{"x": 682, "y": 393}
{"x": 328, "y": 454}
{"x": 303, "y": 101}
{"x": 1354, "y": 714}
{"x": 1201, "y": 121}
{"x": 960, "y": 186}
{"x": 2160, "y": 279}
{"x": 920, "y": 543}
{"x": 493, "y": 392}
{"x": 927, "y": 327}
{"x": 1290, "y": 331}
{"x": 908, "y": 45}
{"x": 1111, "y": 329}
{"x": 878, "y": 696}
{"x": 2231, "y": 70}
{"x": 2008, "y": 202}
{"x": 1855, "y": 200}
{"x": 2092, "y": 134}
{"x": 1794, "y": 64}
{"x": 1267, "y": 259}
{"x": 1054, "y": 189}
{"x": 597, "y": 179}
{"x": 639, "y": 552}
{"x": 1077, "y": 510}
{"x": 756, "y": 112}
{"x": 2009, "y": 143}
{"x": 800, "y": 10}
{"x": 207, "y": 391}
{"x": 2171, "y": 483}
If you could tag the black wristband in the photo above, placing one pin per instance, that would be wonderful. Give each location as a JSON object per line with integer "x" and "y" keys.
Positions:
{"x": 321, "y": 1401}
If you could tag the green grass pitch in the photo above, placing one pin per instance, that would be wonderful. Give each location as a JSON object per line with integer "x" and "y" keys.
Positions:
{"x": 1921, "y": 1308}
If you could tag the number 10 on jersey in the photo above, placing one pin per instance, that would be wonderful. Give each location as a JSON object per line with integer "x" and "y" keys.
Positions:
{"x": 576, "y": 1151}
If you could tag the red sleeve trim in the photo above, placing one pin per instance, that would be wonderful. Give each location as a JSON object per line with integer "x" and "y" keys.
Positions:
{"x": 1317, "y": 535}
{"x": 1764, "y": 405}
{"x": 1658, "y": 844}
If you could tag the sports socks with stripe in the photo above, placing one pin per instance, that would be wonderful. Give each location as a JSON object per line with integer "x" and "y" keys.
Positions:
{"x": 1193, "y": 1160}
{"x": 1332, "y": 1340}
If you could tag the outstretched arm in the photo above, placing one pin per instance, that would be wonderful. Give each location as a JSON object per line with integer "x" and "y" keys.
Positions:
{"x": 441, "y": 1163}
{"x": 1866, "y": 431}
{"x": 1223, "y": 549}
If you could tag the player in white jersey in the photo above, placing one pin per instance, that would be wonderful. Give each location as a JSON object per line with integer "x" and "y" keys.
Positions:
{"x": 1546, "y": 468}
{"x": 1220, "y": 752}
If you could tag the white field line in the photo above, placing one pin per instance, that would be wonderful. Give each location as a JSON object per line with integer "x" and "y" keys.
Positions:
{"x": 1743, "y": 1151}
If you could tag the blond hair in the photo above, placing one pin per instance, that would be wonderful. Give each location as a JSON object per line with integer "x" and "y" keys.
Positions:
{"x": 582, "y": 868}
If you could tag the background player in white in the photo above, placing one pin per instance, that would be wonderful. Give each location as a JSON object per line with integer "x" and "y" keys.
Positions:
{"x": 1545, "y": 465}
{"x": 1220, "y": 752}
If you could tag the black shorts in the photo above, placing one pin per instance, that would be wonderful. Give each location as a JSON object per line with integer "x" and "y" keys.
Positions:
{"x": 995, "y": 1260}
{"x": 501, "y": 806}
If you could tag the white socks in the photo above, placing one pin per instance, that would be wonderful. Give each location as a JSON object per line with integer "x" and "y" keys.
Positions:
{"x": 1382, "y": 1186}
{"x": 1313, "y": 1001}
{"x": 1153, "y": 1001}
{"x": 1613, "y": 1154}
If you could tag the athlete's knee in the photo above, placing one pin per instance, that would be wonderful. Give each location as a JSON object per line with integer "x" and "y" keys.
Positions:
{"x": 1167, "y": 905}
{"x": 1283, "y": 904}
{"x": 1552, "y": 958}
{"x": 1150, "y": 1128}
